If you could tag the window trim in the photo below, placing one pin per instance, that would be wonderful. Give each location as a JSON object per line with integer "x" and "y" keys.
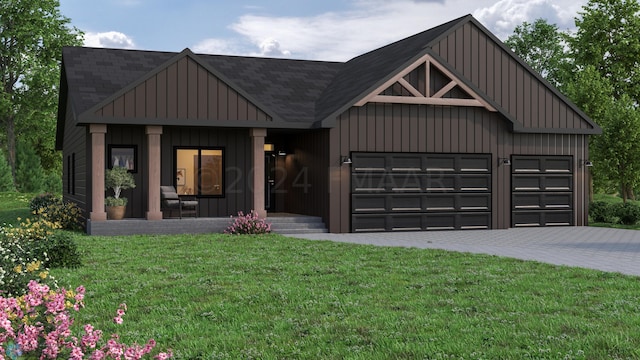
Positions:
{"x": 200, "y": 149}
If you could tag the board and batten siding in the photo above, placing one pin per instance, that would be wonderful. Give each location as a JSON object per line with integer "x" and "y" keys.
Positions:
{"x": 76, "y": 146}
{"x": 443, "y": 129}
{"x": 184, "y": 90}
{"x": 237, "y": 162}
{"x": 496, "y": 73}
{"x": 131, "y": 135}
{"x": 301, "y": 179}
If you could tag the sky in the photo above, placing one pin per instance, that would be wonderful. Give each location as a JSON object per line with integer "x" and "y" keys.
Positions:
{"x": 329, "y": 30}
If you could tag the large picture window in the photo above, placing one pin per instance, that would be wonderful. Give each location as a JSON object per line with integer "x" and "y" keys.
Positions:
{"x": 199, "y": 171}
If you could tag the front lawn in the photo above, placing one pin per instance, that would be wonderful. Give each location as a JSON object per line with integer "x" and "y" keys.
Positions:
{"x": 272, "y": 297}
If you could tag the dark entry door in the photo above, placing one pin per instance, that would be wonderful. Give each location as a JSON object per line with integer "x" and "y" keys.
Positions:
{"x": 269, "y": 182}
{"x": 420, "y": 191}
{"x": 541, "y": 190}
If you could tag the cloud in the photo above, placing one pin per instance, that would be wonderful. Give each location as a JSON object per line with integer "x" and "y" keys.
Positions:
{"x": 369, "y": 24}
{"x": 216, "y": 46}
{"x": 503, "y": 16}
{"x": 109, "y": 39}
{"x": 271, "y": 48}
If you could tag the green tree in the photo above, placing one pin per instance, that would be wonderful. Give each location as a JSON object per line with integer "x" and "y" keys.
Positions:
{"x": 608, "y": 41}
{"x": 608, "y": 37}
{"x": 32, "y": 34}
{"x": 30, "y": 175}
{"x": 6, "y": 180}
{"x": 542, "y": 46}
{"x": 616, "y": 153}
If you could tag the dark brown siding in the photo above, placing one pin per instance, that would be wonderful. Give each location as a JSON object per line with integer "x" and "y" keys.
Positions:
{"x": 303, "y": 179}
{"x": 497, "y": 74}
{"x": 131, "y": 135}
{"x": 76, "y": 141}
{"x": 184, "y": 90}
{"x": 441, "y": 129}
{"x": 237, "y": 163}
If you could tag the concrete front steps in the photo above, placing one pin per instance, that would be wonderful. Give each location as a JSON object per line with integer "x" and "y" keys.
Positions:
{"x": 296, "y": 224}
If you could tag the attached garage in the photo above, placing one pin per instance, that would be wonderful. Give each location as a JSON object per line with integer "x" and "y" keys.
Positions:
{"x": 399, "y": 191}
{"x": 449, "y": 130}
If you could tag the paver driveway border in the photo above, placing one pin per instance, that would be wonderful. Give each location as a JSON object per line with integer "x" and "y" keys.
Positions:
{"x": 613, "y": 250}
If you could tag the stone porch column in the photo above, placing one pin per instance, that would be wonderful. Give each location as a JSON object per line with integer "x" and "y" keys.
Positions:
{"x": 97, "y": 172}
{"x": 155, "y": 160}
{"x": 258, "y": 186}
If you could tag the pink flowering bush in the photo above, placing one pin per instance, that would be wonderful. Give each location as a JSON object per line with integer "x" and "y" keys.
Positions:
{"x": 38, "y": 325}
{"x": 248, "y": 224}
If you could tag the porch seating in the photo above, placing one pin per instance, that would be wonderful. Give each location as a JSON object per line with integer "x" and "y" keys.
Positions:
{"x": 171, "y": 201}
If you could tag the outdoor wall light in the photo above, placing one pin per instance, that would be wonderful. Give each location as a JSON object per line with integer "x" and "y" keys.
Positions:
{"x": 587, "y": 163}
{"x": 282, "y": 153}
{"x": 346, "y": 160}
{"x": 504, "y": 161}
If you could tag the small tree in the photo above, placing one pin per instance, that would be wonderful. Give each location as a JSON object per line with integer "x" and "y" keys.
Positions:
{"x": 29, "y": 172}
{"x": 118, "y": 178}
{"x": 6, "y": 180}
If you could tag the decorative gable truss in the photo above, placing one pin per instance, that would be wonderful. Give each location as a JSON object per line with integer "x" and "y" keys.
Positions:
{"x": 426, "y": 82}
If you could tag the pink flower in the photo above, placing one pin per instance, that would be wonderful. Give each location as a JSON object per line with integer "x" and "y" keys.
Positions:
{"x": 164, "y": 356}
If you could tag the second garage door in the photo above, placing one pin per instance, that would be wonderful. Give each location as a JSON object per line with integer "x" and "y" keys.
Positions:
{"x": 542, "y": 191}
{"x": 402, "y": 191}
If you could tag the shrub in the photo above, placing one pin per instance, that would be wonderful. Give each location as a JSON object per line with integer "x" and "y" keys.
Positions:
{"x": 601, "y": 211}
{"x": 628, "y": 213}
{"x": 38, "y": 325}
{"x": 41, "y": 201}
{"x": 62, "y": 251}
{"x": 44, "y": 241}
{"x": 248, "y": 224}
{"x": 19, "y": 265}
{"x": 66, "y": 214}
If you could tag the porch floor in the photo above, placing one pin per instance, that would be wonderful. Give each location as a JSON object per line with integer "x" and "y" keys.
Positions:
{"x": 282, "y": 223}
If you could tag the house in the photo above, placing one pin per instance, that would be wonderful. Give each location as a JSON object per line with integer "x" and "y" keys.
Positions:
{"x": 446, "y": 129}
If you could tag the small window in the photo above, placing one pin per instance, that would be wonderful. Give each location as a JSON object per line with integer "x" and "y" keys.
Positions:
{"x": 199, "y": 171}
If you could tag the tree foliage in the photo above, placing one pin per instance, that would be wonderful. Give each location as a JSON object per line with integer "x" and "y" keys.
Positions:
{"x": 598, "y": 68}
{"x": 541, "y": 45}
{"x": 6, "y": 180}
{"x": 608, "y": 38}
{"x": 32, "y": 34}
{"x": 30, "y": 175}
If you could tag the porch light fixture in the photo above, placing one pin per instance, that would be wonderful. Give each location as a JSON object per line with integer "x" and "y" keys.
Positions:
{"x": 282, "y": 153}
{"x": 586, "y": 163}
{"x": 504, "y": 161}
{"x": 346, "y": 160}
{"x": 269, "y": 147}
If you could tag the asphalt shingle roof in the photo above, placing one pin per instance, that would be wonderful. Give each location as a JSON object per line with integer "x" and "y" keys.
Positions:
{"x": 296, "y": 90}
{"x": 361, "y": 74}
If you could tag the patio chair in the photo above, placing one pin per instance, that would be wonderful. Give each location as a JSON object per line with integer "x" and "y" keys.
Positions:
{"x": 171, "y": 201}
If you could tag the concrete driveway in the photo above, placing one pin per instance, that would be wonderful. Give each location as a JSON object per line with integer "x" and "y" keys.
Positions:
{"x": 604, "y": 249}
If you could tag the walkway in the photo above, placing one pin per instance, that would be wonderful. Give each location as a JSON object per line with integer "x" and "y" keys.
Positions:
{"x": 604, "y": 249}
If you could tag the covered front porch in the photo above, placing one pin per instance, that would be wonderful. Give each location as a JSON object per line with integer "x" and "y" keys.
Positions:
{"x": 281, "y": 223}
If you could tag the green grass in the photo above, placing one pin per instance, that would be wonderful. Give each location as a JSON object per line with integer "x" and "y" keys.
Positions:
{"x": 271, "y": 297}
{"x": 14, "y": 205}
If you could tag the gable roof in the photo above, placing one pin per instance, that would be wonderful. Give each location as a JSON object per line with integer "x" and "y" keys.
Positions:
{"x": 286, "y": 89}
{"x": 186, "y": 53}
{"x": 361, "y": 75}
{"x": 295, "y": 93}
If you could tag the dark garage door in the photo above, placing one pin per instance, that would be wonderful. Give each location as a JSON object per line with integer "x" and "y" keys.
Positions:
{"x": 409, "y": 191}
{"x": 542, "y": 190}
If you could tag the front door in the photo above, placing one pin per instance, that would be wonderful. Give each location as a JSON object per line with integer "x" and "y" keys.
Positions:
{"x": 270, "y": 181}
